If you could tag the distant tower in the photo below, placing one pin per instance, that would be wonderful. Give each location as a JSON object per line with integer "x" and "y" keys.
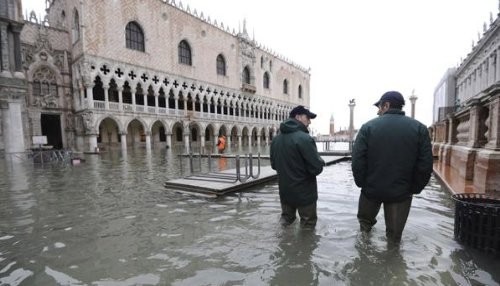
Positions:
{"x": 332, "y": 126}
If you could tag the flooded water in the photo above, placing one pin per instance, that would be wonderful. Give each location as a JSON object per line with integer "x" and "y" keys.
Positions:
{"x": 109, "y": 221}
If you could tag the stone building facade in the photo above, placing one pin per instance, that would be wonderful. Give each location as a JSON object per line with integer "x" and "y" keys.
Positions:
{"x": 468, "y": 139}
{"x": 149, "y": 73}
{"x": 12, "y": 80}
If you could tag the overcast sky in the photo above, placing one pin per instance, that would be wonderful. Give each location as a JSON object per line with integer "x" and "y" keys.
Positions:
{"x": 357, "y": 48}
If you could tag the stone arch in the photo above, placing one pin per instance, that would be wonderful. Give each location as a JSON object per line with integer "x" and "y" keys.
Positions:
{"x": 245, "y": 131}
{"x": 158, "y": 133}
{"x": 110, "y": 131}
{"x": 255, "y": 132}
{"x": 210, "y": 133}
{"x": 136, "y": 132}
{"x": 177, "y": 133}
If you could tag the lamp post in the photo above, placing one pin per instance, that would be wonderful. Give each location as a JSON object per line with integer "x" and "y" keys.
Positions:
{"x": 413, "y": 98}
{"x": 352, "y": 103}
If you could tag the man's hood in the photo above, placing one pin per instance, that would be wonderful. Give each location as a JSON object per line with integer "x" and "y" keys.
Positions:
{"x": 292, "y": 125}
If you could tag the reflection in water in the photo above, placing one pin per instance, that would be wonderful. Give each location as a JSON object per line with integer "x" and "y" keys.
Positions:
{"x": 109, "y": 221}
{"x": 374, "y": 266}
{"x": 294, "y": 257}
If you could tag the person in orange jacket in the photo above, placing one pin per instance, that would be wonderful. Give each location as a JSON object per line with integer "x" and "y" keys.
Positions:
{"x": 221, "y": 144}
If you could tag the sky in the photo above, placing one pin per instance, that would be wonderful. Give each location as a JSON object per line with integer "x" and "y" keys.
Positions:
{"x": 357, "y": 49}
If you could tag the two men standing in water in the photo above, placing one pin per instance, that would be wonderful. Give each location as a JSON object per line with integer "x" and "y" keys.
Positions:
{"x": 391, "y": 161}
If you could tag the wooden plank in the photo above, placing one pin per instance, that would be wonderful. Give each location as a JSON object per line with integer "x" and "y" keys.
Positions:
{"x": 225, "y": 182}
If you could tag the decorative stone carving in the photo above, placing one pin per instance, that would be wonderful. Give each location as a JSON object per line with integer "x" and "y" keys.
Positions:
{"x": 88, "y": 121}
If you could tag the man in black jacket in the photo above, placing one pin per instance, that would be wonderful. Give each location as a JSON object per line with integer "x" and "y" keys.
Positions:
{"x": 295, "y": 158}
{"x": 391, "y": 161}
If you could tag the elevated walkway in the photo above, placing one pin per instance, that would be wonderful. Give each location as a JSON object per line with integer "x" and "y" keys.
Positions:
{"x": 222, "y": 183}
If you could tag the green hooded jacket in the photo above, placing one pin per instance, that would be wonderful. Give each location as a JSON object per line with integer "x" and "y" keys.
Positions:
{"x": 392, "y": 157}
{"x": 295, "y": 158}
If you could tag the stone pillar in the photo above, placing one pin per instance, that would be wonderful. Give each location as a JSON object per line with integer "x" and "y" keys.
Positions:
{"x": 92, "y": 142}
{"x": 90, "y": 96}
{"x": 258, "y": 139}
{"x": 16, "y": 30}
{"x": 413, "y": 99}
{"x": 228, "y": 142}
{"x": 120, "y": 98}
{"x": 156, "y": 103}
{"x": 352, "y": 103}
{"x": 4, "y": 53}
{"x": 12, "y": 125}
{"x": 215, "y": 139}
{"x": 132, "y": 92}
{"x": 148, "y": 141}
{"x": 169, "y": 140}
{"x": 239, "y": 142}
{"x": 202, "y": 142}
{"x": 123, "y": 139}
{"x": 494, "y": 124}
{"x": 186, "y": 142}
{"x": 106, "y": 97}
{"x": 474, "y": 123}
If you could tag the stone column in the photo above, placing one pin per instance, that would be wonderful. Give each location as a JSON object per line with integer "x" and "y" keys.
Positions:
{"x": 474, "y": 123}
{"x": 494, "y": 124}
{"x": 16, "y": 30}
{"x": 148, "y": 141}
{"x": 186, "y": 142}
{"x": 145, "y": 100}
{"x": 413, "y": 98}
{"x": 92, "y": 142}
{"x": 12, "y": 126}
{"x": 352, "y": 103}
{"x": 4, "y": 53}
{"x": 228, "y": 142}
{"x": 90, "y": 96}
{"x": 132, "y": 92}
{"x": 156, "y": 103}
{"x": 169, "y": 139}
{"x": 106, "y": 97}
{"x": 120, "y": 98}
{"x": 202, "y": 142}
{"x": 123, "y": 139}
{"x": 240, "y": 143}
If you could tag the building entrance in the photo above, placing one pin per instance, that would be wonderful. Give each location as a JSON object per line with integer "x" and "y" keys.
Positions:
{"x": 51, "y": 127}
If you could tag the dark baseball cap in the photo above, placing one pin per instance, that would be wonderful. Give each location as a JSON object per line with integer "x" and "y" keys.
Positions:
{"x": 393, "y": 97}
{"x": 302, "y": 110}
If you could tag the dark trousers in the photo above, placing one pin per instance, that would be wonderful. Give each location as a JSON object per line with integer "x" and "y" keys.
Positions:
{"x": 395, "y": 215}
{"x": 308, "y": 215}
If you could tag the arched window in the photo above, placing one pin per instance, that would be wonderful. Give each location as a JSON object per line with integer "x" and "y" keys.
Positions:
{"x": 261, "y": 62}
{"x": 185, "y": 53}
{"x": 300, "y": 91}
{"x": 266, "y": 80}
{"x": 134, "y": 37}
{"x": 221, "y": 65}
{"x": 285, "y": 86}
{"x": 246, "y": 75}
{"x": 44, "y": 88}
{"x": 76, "y": 26}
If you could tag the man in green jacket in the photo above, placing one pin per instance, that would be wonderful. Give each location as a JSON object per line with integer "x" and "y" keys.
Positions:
{"x": 391, "y": 161}
{"x": 295, "y": 158}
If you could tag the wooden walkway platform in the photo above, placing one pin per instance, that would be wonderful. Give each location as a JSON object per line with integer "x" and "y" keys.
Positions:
{"x": 221, "y": 183}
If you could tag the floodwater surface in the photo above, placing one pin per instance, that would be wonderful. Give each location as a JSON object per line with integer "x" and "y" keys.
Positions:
{"x": 109, "y": 221}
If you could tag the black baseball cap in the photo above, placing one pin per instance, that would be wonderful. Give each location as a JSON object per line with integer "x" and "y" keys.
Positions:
{"x": 302, "y": 110}
{"x": 393, "y": 97}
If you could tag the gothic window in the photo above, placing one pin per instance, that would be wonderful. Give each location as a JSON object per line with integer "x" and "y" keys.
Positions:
{"x": 134, "y": 37}
{"x": 76, "y": 26}
{"x": 44, "y": 83}
{"x": 266, "y": 80}
{"x": 285, "y": 86}
{"x": 300, "y": 91}
{"x": 261, "y": 62}
{"x": 184, "y": 53}
{"x": 246, "y": 75}
{"x": 221, "y": 65}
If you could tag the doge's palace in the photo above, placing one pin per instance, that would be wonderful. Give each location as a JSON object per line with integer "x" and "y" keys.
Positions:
{"x": 147, "y": 73}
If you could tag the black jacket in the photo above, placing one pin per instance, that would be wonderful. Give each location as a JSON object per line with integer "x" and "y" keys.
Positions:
{"x": 295, "y": 158}
{"x": 392, "y": 157}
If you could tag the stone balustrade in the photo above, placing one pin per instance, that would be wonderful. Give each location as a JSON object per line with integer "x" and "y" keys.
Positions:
{"x": 468, "y": 141}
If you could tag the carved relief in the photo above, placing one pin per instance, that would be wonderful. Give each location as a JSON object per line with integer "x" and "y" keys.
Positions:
{"x": 88, "y": 121}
